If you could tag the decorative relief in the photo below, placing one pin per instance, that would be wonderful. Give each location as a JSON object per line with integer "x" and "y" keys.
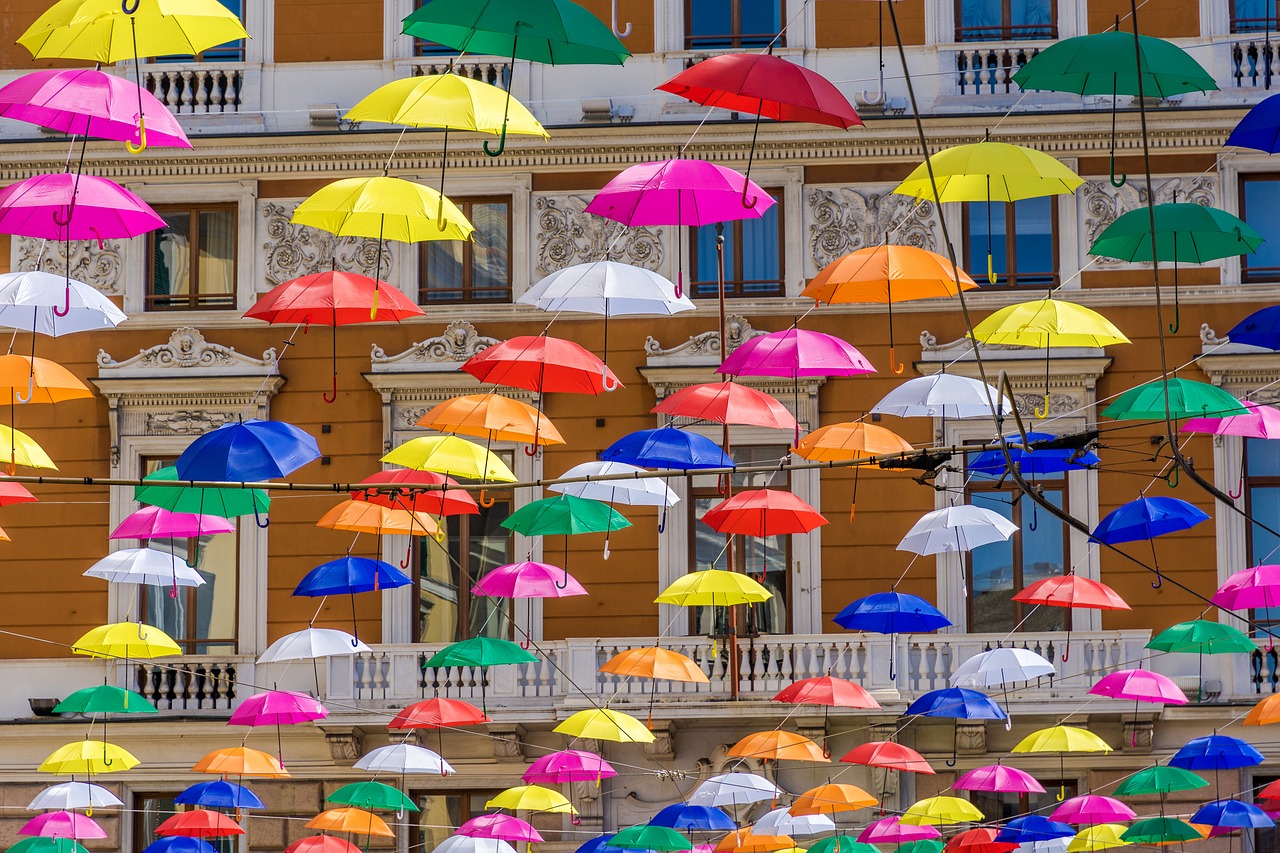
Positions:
{"x": 345, "y": 745}
{"x": 1101, "y": 203}
{"x": 295, "y": 250}
{"x": 843, "y": 219}
{"x": 458, "y": 342}
{"x": 707, "y": 343}
{"x": 188, "y": 349}
{"x": 971, "y": 738}
{"x": 97, "y": 263}
{"x": 1059, "y": 404}
{"x": 568, "y": 235}
{"x": 185, "y": 422}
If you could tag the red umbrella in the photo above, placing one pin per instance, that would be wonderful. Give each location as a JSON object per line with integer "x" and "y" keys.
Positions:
{"x": 827, "y": 690}
{"x": 14, "y": 493}
{"x": 542, "y": 364}
{"x": 333, "y": 299}
{"x": 438, "y": 714}
{"x": 434, "y": 502}
{"x": 727, "y": 403}
{"x": 763, "y": 512}
{"x": 321, "y": 844}
{"x": 1072, "y": 591}
{"x": 980, "y": 840}
{"x": 200, "y": 823}
{"x": 889, "y": 755}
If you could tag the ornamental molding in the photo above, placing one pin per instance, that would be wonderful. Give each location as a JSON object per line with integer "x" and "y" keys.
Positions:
{"x": 1240, "y": 369}
{"x": 961, "y": 350}
{"x": 568, "y": 235}
{"x": 457, "y": 343}
{"x": 1100, "y": 203}
{"x": 186, "y": 350}
{"x": 98, "y": 264}
{"x": 297, "y": 250}
{"x": 841, "y": 219}
{"x": 800, "y": 398}
{"x": 703, "y": 348}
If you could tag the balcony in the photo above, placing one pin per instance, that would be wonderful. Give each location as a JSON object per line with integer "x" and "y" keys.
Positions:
{"x": 1253, "y": 63}
{"x": 989, "y": 69}
{"x": 202, "y": 88}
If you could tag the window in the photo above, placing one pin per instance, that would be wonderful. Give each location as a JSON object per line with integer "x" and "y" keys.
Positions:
{"x": 192, "y": 260}
{"x": 731, "y": 24}
{"x": 1020, "y": 238}
{"x": 1037, "y": 551}
{"x": 1262, "y": 500}
{"x": 478, "y": 270}
{"x": 1259, "y": 197}
{"x": 442, "y": 813}
{"x": 232, "y": 51}
{"x": 1267, "y": 839}
{"x": 767, "y": 560}
{"x": 1005, "y": 20}
{"x": 1002, "y": 806}
{"x": 752, "y": 256}
{"x": 200, "y": 619}
{"x": 1253, "y": 16}
{"x": 152, "y": 809}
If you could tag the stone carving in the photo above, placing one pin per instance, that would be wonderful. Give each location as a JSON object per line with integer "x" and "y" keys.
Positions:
{"x": 568, "y": 235}
{"x": 1059, "y": 404}
{"x": 1100, "y": 204}
{"x": 663, "y": 746}
{"x": 843, "y": 219}
{"x": 508, "y": 740}
{"x": 345, "y": 745}
{"x": 707, "y": 343}
{"x": 1137, "y": 735}
{"x": 295, "y": 250}
{"x": 458, "y": 342}
{"x": 188, "y": 349}
{"x": 971, "y": 738}
{"x": 1209, "y": 337}
{"x": 185, "y": 422}
{"x": 99, "y": 264}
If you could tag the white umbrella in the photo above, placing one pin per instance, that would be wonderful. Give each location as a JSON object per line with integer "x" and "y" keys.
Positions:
{"x": 941, "y": 396}
{"x": 1001, "y": 666}
{"x": 1048, "y": 845}
{"x": 734, "y": 789}
{"x": 782, "y": 822}
{"x": 311, "y": 643}
{"x": 956, "y": 528}
{"x": 471, "y": 844}
{"x": 607, "y": 288}
{"x": 642, "y": 491}
{"x": 145, "y": 566}
{"x": 67, "y": 796}
{"x": 29, "y": 301}
{"x": 404, "y": 758}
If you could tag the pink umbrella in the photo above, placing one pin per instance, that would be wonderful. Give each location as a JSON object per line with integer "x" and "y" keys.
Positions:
{"x": 794, "y": 353}
{"x": 1140, "y": 685}
{"x": 500, "y": 826}
{"x": 1257, "y": 587}
{"x": 890, "y": 830}
{"x": 1261, "y": 422}
{"x": 153, "y": 522}
{"x": 678, "y": 192}
{"x": 528, "y": 579}
{"x": 278, "y": 707}
{"x": 63, "y": 824}
{"x": 997, "y": 777}
{"x": 64, "y": 206}
{"x": 87, "y": 102}
{"x": 568, "y": 765}
{"x": 1092, "y": 809}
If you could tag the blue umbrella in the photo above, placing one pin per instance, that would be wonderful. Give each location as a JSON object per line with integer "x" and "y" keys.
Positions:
{"x": 1143, "y": 520}
{"x": 219, "y": 794}
{"x": 349, "y": 575}
{"x": 891, "y": 613}
{"x": 1234, "y": 814}
{"x": 179, "y": 844}
{"x": 1032, "y": 462}
{"x": 1262, "y": 327}
{"x": 1033, "y": 827}
{"x": 957, "y": 703}
{"x": 599, "y": 844}
{"x": 686, "y": 817}
{"x": 667, "y": 447}
{"x": 1259, "y": 129}
{"x": 247, "y": 451}
{"x": 1216, "y": 752}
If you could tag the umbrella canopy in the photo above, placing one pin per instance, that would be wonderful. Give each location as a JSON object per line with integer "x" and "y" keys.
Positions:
{"x": 74, "y": 795}
{"x": 655, "y": 662}
{"x": 453, "y": 456}
{"x": 14, "y": 493}
{"x": 219, "y": 794}
{"x": 1160, "y": 830}
{"x": 322, "y": 844}
{"x": 743, "y": 841}
{"x": 713, "y": 588}
{"x": 763, "y": 512}
{"x": 145, "y": 566}
{"x": 609, "y": 289}
{"x": 364, "y": 517}
{"x": 48, "y": 845}
{"x": 727, "y": 403}
{"x": 638, "y": 491}
{"x": 1001, "y": 666}
{"x": 1261, "y": 422}
{"x": 441, "y": 502}
{"x": 943, "y": 395}
{"x": 1031, "y": 460}
{"x": 1265, "y": 712}
{"x": 352, "y": 820}
{"x": 1139, "y": 685}
{"x": 998, "y": 777}
{"x": 335, "y": 298}
{"x": 1033, "y": 827}
{"x": 372, "y": 795}
{"x": 383, "y": 208}
{"x": 101, "y": 32}
{"x": 891, "y": 829}
{"x": 956, "y": 703}
{"x": 18, "y": 448}
{"x": 606, "y": 724}
{"x": 827, "y": 690}
{"x": 448, "y": 101}
{"x": 1147, "y": 518}
{"x": 1216, "y": 752}
{"x": 153, "y": 522}
{"x": 53, "y": 305}
{"x": 349, "y": 575}
{"x": 850, "y": 440}
{"x": 778, "y": 745}
{"x": 532, "y": 798}
{"x": 1234, "y": 814}
{"x": 831, "y": 798}
{"x": 164, "y": 490}
{"x": 892, "y": 613}
{"x": 1260, "y": 127}
{"x": 734, "y": 789}
{"x": 479, "y": 651}
{"x": 842, "y": 844}
{"x": 564, "y": 515}
{"x": 437, "y": 713}
{"x": 1254, "y": 587}
{"x": 67, "y": 206}
{"x": 63, "y": 824}
{"x": 241, "y": 761}
{"x": 404, "y": 758}
{"x": 989, "y": 171}
{"x": 1106, "y": 64}
{"x": 277, "y": 707}
{"x": 780, "y": 821}
{"x": 246, "y": 451}
{"x": 1072, "y": 591}
{"x": 527, "y": 579}
{"x": 1048, "y": 323}
{"x": 795, "y": 353}
{"x": 541, "y": 363}
{"x": 311, "y": 643}
{"x": 492, "y": 417}
{"x": 1092, "y": 808}
{"x": 199, "y": 823}
{"x": 889, "y": 755}
{"x": 981, "y": 839}
{"x": 667, "y": 447}
{"x": 648, "y": 837}
{"x": 470, "y": 844}
{"x": 1186, "y": 398}
{"x": 556, "y": 32}
{"x": 569, "y": 765}
{"x": 682, "y": 192}
{"x": 126, "y": 640}
{"x": 105, "y": 699}
{"x": 88, "y": 756}
{"x": 504, "y": 827}
{"x": 1160, "y": 779}
{"x": 937, "y": 811}
{"x": 1062, "y": 739}
{"x": 1200, "y": 636}
{"x": 1103, "y": 836}
{"x": 26, "y": 379}
{"x": 1259, "y": 329}
{"x": 956, "y": 529}
{"x": 886, "y": 274}
{"x": 1185, "y": 232}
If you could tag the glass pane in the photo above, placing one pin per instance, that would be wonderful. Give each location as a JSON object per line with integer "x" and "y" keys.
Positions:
{"x": 171, "y": 260}
{"x": 704, "y": 273}
{"x": 490, "y": 547}
{"x": 1031, "y": 18}
{"x": 490, "y": 248}
{"x": 1263, "y": 457}
{"x": 151, "y": 811}
{"x": 206, "y": 612}
{"x": 710, "y": 23}
{"x": 444, "y": 271}
{"x": 1034, "y": 240}
{"x": 761, "y": 264}
{"x": 761, "y": 20}
{"x": 231, "y": 51}
{"x": 1253, "y": 15}
{"x": 992, "y": 572}
{"x": 987, "y": 233}
{"x": 215, "y": 269}
{"x": 437, "y": 593}
{"x": 1043, "y": 554}
{"x": 445, "y": 578}
{"x": 980, "y": 20}
{"x": 1261, "y": 200}
{"x": 440, "y": 815}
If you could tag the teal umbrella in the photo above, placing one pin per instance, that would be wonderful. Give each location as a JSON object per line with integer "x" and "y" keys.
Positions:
{"x": 1186, "y": 399}
{"x": 661, "y": 839}
{"x": 372, "y": 795}
{"x": 168, "y": 492}
{"x": 47, "y": 844}
{"x": 105, "y": 699}
{"x": 1160, "y": 780}
{"x": 1202, "y": 637}
{"x": 1160, "y": 830}
{"x": 566, "y": 515}
{"x": 479, "y": 652}
{"x": 842, "y": 844}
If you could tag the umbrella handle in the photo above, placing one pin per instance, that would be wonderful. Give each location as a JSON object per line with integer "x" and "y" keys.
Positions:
{"x": 564, "y": 585}
{"x": 408, "y": 558}
{"x": 745, "y": 203}
{"x": 1171, "y": 479}
{"x": 30, "y": 391}
{"x": 332, "y": 396}
{"x": 263, "y": 523}
{"x": 142, "y": 129}
{"x": 531, "y": 450}
{"x": 606, "y": 548}
{"x": 66, "y": 299}
{"x": 193, "y": 559}
{"x": 485, "y": 501}
{"x": 662, "y": 522}
{"x": 127, "y": 9}
{"x": 896, "y": 366}
{"x": 1117, "y": 182}
{"x": 502, "y": 143}
{"x": 1043, "y": 413}
{"x": 1062, "y": 793}
{"x": 626, "y": 30}
{"x": 991, "y": 270}
{"x": 1159, "y": 581}
{"x": 575, "y": 820}
{"x": 373, "y": 307}
{"x": 605, "y": 382}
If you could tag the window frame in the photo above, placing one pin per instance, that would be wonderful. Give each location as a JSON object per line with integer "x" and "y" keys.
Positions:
{"x": 734, "y": 288}
{"x": 140, "y": 838}
{"x": 1023, "y": 805}
{"x": 1007, "y": 31}
{"x": 467, "y": 287}
{"x": 1263, "y": 274}
{"x": 1248, "y": 484}
{"x": 1009, "y": 278}
{"x": 193, "y": 303}
{"x": 472, "y": 805}
{"x": 1270, "y": 23}
{"x": 736, "y": 38}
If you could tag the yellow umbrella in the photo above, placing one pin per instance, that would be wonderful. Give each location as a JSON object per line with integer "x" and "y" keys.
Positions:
{"x": 604, "y": 724}
{"x": 103, "y": 31}
{"x": 532, "y": 798}
{"x": 385, "y": 209}
{"x": 18, "y": 448}
{"x": 365, "y": 517}
{"x": 713, "y": 588}
{"x": 452, "y": 456}
{"x": 1062, "y": 739}
{"x": 88, "y": 756}
{"x": 1099, "y": 837}
{"x": 126, "y": 640}
{"x": 935, "y": 811}
{"x": 449, "y": 101}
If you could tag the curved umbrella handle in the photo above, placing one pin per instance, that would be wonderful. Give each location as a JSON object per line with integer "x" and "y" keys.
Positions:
{"x": 193, "y": 559}
{"x": 1117, "y": 182}
{"x": 408, "y": 557}
{"x": 502, "y": 143}
{"x": 262, "y": 522}
{"x": 896, "y": 366}
{"x": 1171, "y": 479}
{"x": 373, "y": 309}
{"x": 606, "y": 548}
{"x": 485, "y": 501}
{"x": 66, "y": 300}
{"x": 57, "y": 214}
{"x": 1043, "y": 413}
{"x": 605, "y": 382}
{"x": 679, "y": 284}
{"x": 331, "y": 396}
{"x": 31, "y": 381}
{"x": 142, "y": 133}
{"x": 1159, "y": 581}
{"x": 1235, "y": 496}
{"x": 950, "y": 762}
{"x": 1062, "y": 793}
{"x": 662, "y": 521}
{"x": 745, "y": 203}
{"x": 127, "y": 9}
{"x": 576, "y": 820}
{"x": 893, "y": 674}
{"x": 173, "y": 590}
{"x": 1066, "y": 652}
{"x": 564, "y": 585}
{"x": 620, "y": 33}
{"x": 722, "y": 485}
{"x": 524, "y": 644}
{"x": 992, "y": 278}
{"x": 531, "y": 450}
{"x": 1177, "y": 316}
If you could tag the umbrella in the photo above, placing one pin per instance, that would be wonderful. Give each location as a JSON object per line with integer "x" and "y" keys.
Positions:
{"x": 1259, "y": 329}
{"x": 1072, "y": 590}
{"x": 219, "y": 794}
{"x": 650, "y": 837}
{"x": 241, "y": 761}
{"x": 105, "y": 33}
{"x": 891, "y": 613}
{"x": 1186, "y": 398}
{"x": 38, "y": 301}
{"x": 62, "y": 824}
{"x": 956, "y": 703}
{"x": 437, "y": 713}
{"x": 105, "y": 699}
{"x": 1103, "y": 836}
{"x": 88, "y": 756}
{"x": 831, "y": 798}
{"x": 492, "y": 417}
{"x": 74, "y": 795}
{"x": 527, "y": 579}
{"x": 1216, "y": 752}
{"x": 956, "y": 528}
{"x": 998, "y": 777}
{"x": 727, "y": 403}
{"x": 351, "y": 820}
{"x": 165, "y": 491}
{"x": 469, "y": 844}
{"x": 126, "y": 640}
{"x": 1258, "y": 129}
{"x": 889, "y": 755}
{"x": 532, "y": 798}
{"x": 1092, "y": 808}
{"x": 780, "y": 821}
{"x": 795, "y": 353}
{"x": 349, "y": 575}
{"x": 1255, "y": 587}
{"x": 713, "y": 588}
{"x": 656, "y": 663}
{"x": 640, "y": 490}
{"x": 594, "y": 845}
{"x": 277, "y": 707}
{"x": 1140, "y": 685}
{"x": 569, "y": 765}
{"x": 372, "y": 795}
{"x": 385, "y": 209}
{"x": 541, "y": 363}
{"x": 200, "y": 823}
{"x": 763, "y": 513}
{"x": 22, "y": 450}
{"x": 842, "y": 844}
{"x": 942, "y": 395}
{"x": 891, "y": 829}
{"x": 1234, "y": 814}
{"x": 1200, "y": 636}
{"x": 66, "y": 206}
{"x": 1062, "y": 739}
{"x": 322, "y": 844}
{"x": 979, "y": 840}
{"x": 48, "y": 845}
{"x": 27, "y": 379}
{"x": 1260, "y": 714}
{"x": 566, "y": 515}
{"x": 1001, "y": 666}
{"x": 246, "y": 451}
{"x": 937, "y": 811}
{"x": 311, "y": 643}
{"x": 734, "y": 789}
{"x": 145, "y": 566}
{"x": 778, "y": 745}
{"x": 850, "y": 440}
{"x": 153, "y": 522}
{"x": 481, "y": 652}
{"x": 1160, "y": 830}
{"x": 1034, "y": 827}
{"x": 667, "y": 447}
{"x": 743, "y": 841}
{"x": 1031, "y": 460}
{"x": 410, "y": 495}
{"x": 450, "y": 455}
{"x": 683, "y": 192}
{"x": 501, "y": 826}
{"x": 1144, "y": 519}
{"x": 1160, "y": 779}
{"x": 829, "y": 691}
{"x": 404, "y": 758}
{"x": 1261, "y": 422}
{"x": 364, "y": 517}
{"x": 606, "y": 724}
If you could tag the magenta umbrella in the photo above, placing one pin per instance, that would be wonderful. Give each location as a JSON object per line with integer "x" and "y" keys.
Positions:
{"x": 997, "y": 777}
{"x": 794, "y": 353}
{"x": 568, "y": 765}
{"x": 64, "y": 206}
{"x": 1140, "y": 685}
{"x": 88, "y": 102}
{"x": 153, "y": 522}
{"x": 278, "y": 708}
{"x": 1092, "y": 809}
{"x": 891, "y": 831}
{"x": 528, "y": 580}
{"x": 63, "y": 824}
{"x": 1261, "y": 422}
{"x": 678, "y": 192}
{"x": 501, "y": 826}
{"x": 1256, "y": 587}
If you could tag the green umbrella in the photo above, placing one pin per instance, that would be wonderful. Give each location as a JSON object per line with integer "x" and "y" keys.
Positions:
{"x": 566, "y": 515}
{"x": 924, "y": 845}
{"x": 42, "y": 844}
{"x": 1200, "y": 636}
{"x": 1187, "y": 399}
{"x": 1160, "y": 780}
{"x": 372, "y": 795}
{"x": 1107, "y": 64}
{"x": 105, "y": 699}
{"x": 842, "y": 844}
{"x": 226, "y": 503}
{"x": 1185, "y": 233}
{"x": 556, "y": 32}
{"x": 1160, "y": 830}
{"x": 480, "y": 652}
{"x": 645, "y": 837}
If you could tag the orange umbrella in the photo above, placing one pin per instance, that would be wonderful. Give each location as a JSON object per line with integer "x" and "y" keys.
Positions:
{"x": 831, "y": 798}
{"x": 241, "y": 761}
{"x": 1266, "y": 711}
{"x": 26, "y": 379}
{"x": 351, "y": 820}
{"x": 742, "y": 841}
{"x": 780, "y": 746}
{"x": 366, "y": 517}
{"x": 655, "y": 662}
{"x": 492, "y": 417}
{"x": 850, "y": 440}
{"x": 885, "y": 275}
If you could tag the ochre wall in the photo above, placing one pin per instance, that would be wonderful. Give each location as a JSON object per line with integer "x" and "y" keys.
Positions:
{"x": 325, "y": 31}
{"x": 844, "y": 24}
{"x": 1172, "y": 19}
{"x": 639, "y": 13}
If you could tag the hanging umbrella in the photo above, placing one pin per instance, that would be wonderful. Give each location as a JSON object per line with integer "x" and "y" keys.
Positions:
{"x": 890, "y": 756}
{"x": 780, "y": 821}
{"x": 956, "y": 703}
{"x": 1146, "y": 518}
{"x": 1072, "y": 590}
{"x": 1092, "y": 808}
{"x": 12, "y": 493}
{"x": 1216, "y": 752}
{"x": 842, "y": 844}
{"x": 1200, "y": 636}
{"x": 437, "y": 713}
{"x": 527, "y": 579}
{"x": 713, "y": 588}
{"x": 47, "y": 845}
{"x": 891, "y": 613}
{"x": 409, "y": 494}
{"x": 241, "y": 761}
{"x": 74, "y": 795}
{"x": 105, "y": 699}
{"x": 1232, "y": 813}
{"x": 956, "y": 529}
{"x": 88, "y": 756}
{"x": 1186, "y": 398}
{"x": 492, "y": 417}
{"x": 145, "y": 566}
{"x": 828, "y": 691}
{"x": 321, "y": 844}
{"x": 1261, "y": 422}
{"x": 1259, "y": 129}
{"x": 1261, "y": 714}
{"x": 63, "y": 824}
{"x": 372, "y": 795}
{"x": 219, "y": 794}
{"x": 404, "y": 758}
{"x": 734, "y": 789}
{"x": 1062, "y": 739}
{"x": 453, "y": 456}
{"x": 564, "y": 515}
{"x": 364, "y": 517}
{"x": 999, "y": 778}
{"x": 1259, "y": 329}
{"x": 942, "y": 396}
{"x": 277, "y": 707}
{"x": 597, "y": 845}
{"x": 126, "y": 640}
{"x": 683, "y": 192}
{"x": 1160, "y": 779}
{"x": 1033, "y": 827}
{"x": 1103, "y": 836}
{"x": 53, "y": 305}
{"x": 351, "y": 820}
{"x": 850, "y": 440}
{"x": 20, "y": 449}
{"x": 67, "y": 206}
{"x": 481, "y": 652}
{"x": 727, "y": 403}
{"x": 1001, "y": 666}
{"x": 639, "y": 490}
{"x": 778, "y": 745}
{"x": 200, "y": 823}
{"x": 648, "y": 837}
{"x": 500, "y": 826}
{"x": 605, "y": 724}
{"x": 383, "y": 208}
{"x": 153, "y": 522}
{"x": 468, "y": 844}
{"x": 349, "y": 575}
{"x": 667, "y": 447}
{"x": 892, "y": 830}
{"x": 979, "y": 840}
{"x": 312, "y": 643}
{"x": 1140, "y": 685}
{"x": 763, "y": 513}
{"x": 27, "y": 379}
{"x": 531, "y": 798}
{"x": 164, "y": 490}
{"x": 541, "y": 363}
{"x": 1031, "y": 460}
{"x": 656, "y": 663}
{"x": 82, "y": 29}
{"x": 570, "y": 765}
{"x": 743, "y": 841}
{"x": 1255, "y": 587}
{"x": 1160, "y": 830}
{"x": 939, "y": 811}
{"x": 246, "y": 451}
{"x": 795, "y": 353}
